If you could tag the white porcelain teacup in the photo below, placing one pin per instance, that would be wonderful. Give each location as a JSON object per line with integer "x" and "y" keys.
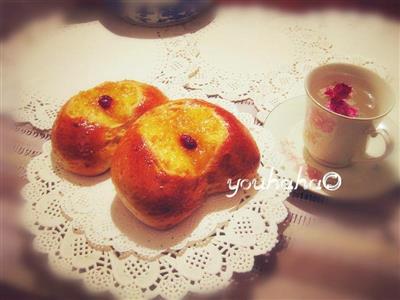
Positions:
{"x": 337, "y": 140}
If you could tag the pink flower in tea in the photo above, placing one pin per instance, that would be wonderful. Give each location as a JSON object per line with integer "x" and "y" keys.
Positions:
{"x": 338, "y": 95}
{"x": 338, "y": 92}
{"x": 343, "y": 108}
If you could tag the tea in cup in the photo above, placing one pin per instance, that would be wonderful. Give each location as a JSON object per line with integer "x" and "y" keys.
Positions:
{"x": 345, "y": 107}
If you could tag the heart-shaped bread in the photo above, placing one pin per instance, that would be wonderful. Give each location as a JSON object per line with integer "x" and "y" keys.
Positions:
{"x": 175, "y": 155}
{"x": 90, "y": 125}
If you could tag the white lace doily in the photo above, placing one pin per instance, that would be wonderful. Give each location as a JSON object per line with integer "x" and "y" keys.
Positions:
{"x": 183, "y": 61}
{"x": 55, "y": 66}
{"x": 89, "y": 234}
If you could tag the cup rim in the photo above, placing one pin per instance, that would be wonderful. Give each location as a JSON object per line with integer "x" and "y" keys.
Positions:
{"x": 391, "y": 105}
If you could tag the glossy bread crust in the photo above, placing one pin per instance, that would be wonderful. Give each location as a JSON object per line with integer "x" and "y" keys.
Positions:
{"x": 90, "y": 125}
{"x": 162, "y": 190}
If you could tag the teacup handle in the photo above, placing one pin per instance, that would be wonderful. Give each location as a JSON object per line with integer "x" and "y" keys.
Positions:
{"x": 383, "y": 131}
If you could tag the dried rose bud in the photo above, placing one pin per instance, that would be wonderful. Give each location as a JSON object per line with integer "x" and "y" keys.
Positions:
{"x": 343, "y": 108}
{"x": 338, "y": 95}
{"x": 339, "y": 92}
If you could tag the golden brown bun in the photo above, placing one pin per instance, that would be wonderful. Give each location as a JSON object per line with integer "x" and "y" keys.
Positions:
{"x": 90, "y": 125}
{"x": 175, "y": 155}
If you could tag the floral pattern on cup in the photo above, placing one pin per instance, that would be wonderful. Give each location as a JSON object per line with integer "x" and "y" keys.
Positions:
{"x": 312, "y": 136}
{"x": 321, "y": 121}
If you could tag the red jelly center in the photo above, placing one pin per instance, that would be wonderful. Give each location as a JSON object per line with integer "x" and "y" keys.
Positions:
{"x": 188, "y": 142}
{"x": 105, "y": 101}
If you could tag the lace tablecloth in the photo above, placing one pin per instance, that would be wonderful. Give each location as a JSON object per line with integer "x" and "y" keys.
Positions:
{"x": 243, "y": 54}
{"x": 255, "y": 59}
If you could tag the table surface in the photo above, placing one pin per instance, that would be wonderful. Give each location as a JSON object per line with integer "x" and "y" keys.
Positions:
{"x": 328, "y": 250}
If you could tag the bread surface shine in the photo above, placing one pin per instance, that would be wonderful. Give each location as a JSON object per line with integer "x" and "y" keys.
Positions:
{"x": 175, "y": 155}
{"x": 90, "y": 125}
